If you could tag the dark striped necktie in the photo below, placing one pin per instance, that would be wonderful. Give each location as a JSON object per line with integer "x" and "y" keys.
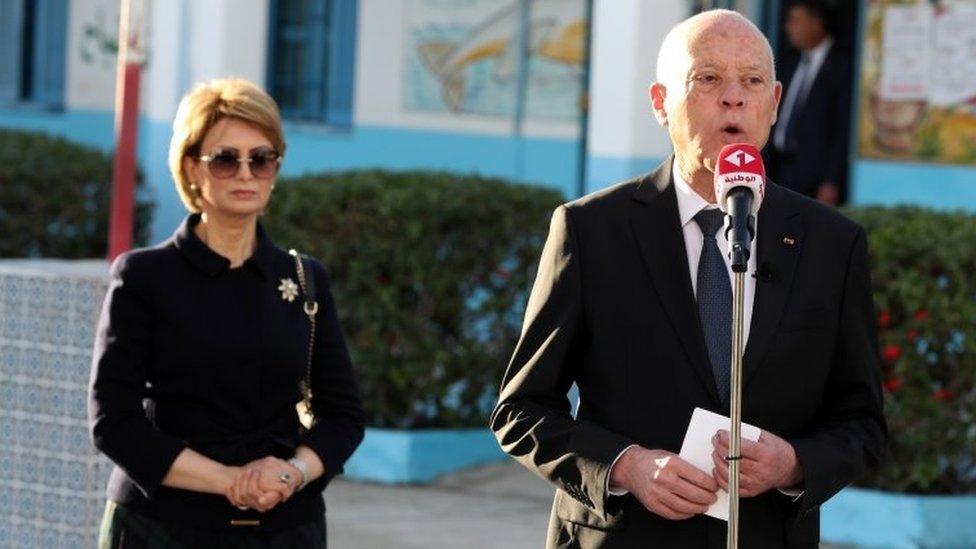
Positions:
{"x": 715, "y": 300}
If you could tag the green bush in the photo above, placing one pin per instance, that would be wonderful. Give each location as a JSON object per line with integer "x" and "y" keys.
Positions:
{"x": 54, "y": 198}
{"x": 924, "y": 276}
{"x": 431, "y": 272}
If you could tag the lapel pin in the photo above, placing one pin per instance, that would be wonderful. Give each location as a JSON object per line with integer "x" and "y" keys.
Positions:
{"x": 288, "y": 289}
{"x": 789, "y": 240}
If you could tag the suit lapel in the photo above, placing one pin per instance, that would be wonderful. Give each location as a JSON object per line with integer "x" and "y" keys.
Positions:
{"x": 780, "y": 241}
{"x": 657, "y": 229}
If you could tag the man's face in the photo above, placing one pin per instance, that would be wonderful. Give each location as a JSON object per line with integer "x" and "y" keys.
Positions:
{"x": 723, "y": 93}
{"x": 803, "y": 29}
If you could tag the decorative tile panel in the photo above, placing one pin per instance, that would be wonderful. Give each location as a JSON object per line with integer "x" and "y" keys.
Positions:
{"x": 52, "y": 480}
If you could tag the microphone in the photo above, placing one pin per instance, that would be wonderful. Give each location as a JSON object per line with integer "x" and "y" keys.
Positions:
{"x": 740, "y": 182}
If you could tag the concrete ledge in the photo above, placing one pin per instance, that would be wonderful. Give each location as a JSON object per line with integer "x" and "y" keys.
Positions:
{"x": 391, "y": 456}
{"x": 871, "y": 518}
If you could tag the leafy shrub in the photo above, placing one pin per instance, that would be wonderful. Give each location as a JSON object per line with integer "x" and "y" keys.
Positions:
{"x": 924, "y": 277}
{"x": 431, "y": 272}
{"x": 54, "y": 198}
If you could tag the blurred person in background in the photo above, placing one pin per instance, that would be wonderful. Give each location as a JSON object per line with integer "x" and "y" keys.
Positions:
{"x": 808, "y": 149}
{"x": 201, "y": 349}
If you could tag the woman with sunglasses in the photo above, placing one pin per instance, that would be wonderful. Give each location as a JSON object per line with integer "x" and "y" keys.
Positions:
{"x": 201, "y": 349}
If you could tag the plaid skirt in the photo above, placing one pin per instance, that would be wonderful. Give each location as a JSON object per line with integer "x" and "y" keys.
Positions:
{"x": 123, "y": 529}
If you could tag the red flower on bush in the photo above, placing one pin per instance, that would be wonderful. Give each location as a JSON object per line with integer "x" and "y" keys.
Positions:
{"x": 912, "y": 335}
{"x": 921, "y": 315}
{"x": 884, "y": 319}
{"x": 891, "y": 352}
{"x": 942, "y": 395}
{"x": 893, "y": 384}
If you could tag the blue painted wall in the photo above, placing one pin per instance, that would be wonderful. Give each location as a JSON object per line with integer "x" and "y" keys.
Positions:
{"x": 934, "y": 185}
{"x": 603, "y": 171}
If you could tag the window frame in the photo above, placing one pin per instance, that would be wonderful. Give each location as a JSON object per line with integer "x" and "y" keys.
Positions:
{"x": 324, "y": 84}
{"x": 33, "y": 42}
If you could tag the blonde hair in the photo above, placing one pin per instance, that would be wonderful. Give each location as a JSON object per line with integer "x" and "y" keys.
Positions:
{"x": 205, "y": 105}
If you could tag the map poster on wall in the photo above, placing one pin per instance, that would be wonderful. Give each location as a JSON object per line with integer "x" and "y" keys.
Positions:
{"x": 467, "y": 56}
{"x": 918, "y": 81}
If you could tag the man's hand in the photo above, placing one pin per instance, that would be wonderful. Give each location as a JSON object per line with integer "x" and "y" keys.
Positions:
{"x": 828, "y": 193}
{"x": 664, "y": 483}
{"x": 768, "y": 464}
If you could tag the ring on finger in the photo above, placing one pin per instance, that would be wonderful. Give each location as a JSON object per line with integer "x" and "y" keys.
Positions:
{"x": 285, "y": 478}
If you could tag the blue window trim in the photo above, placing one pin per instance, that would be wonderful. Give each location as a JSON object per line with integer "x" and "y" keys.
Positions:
{"x": 33, "y": 39}
{"x": 48, "y": 70}
{"x": 11, "y": 50}
{"x": 318, "y": 87}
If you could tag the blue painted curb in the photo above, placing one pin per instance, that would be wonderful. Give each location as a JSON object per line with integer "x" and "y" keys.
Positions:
{"x": 392, "y": 456}
{"x": 875, "y": 519}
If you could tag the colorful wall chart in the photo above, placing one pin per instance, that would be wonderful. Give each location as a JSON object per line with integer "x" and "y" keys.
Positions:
{"x": 918, "y": 81}
{"x": 465, "y": 56}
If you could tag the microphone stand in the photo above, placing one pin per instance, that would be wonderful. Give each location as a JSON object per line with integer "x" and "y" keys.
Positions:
{"x": 741, "y": 233}
{"x": 735, "y": 404}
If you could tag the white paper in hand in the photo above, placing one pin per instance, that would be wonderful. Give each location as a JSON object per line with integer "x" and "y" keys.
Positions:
{"x": 697, "y": 450}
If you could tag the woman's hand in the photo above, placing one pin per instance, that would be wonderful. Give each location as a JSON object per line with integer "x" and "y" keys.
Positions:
{"x": 264, "y": 483}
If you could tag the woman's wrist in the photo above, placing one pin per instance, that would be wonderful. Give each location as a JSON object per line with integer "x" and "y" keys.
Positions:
{"x": 303, "y": 471}
{"x": 315, "y": 466}
{"x": 225, "y": 478}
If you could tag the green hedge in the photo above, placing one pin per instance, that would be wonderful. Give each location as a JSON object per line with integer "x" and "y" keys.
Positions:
{"x": 431, "y": 272}
{"x": 924, "y": 277}
{"x": 54, "y": 198}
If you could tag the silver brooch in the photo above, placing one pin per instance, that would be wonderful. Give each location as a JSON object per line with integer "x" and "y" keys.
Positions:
{"x": 288, "y": 289}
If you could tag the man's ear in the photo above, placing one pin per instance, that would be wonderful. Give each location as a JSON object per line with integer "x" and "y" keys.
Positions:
{"x": 777, "y": 95}
{"x": 657, "y": 94}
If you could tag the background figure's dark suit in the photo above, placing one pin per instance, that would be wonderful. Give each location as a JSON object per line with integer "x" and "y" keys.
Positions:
{"x": 816, "y": 146}
{"x": 613, "y": 310}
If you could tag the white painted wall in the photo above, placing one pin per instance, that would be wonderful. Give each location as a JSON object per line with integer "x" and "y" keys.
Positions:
{"x": 244, "y": 39}
{"x": 159, "y": 80}
{"x": 626, "y": 37}
{"x": 221, "y": 38}
{"x": 188, "y": 41}
{"x": 90, "y": 83}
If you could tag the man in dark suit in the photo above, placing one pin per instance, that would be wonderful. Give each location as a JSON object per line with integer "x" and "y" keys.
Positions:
{"x": 631, "y": 294}
{"x": 808, "y": 149}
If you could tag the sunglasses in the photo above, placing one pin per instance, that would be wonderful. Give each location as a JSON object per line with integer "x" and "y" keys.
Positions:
{"x": 225, "y": 164}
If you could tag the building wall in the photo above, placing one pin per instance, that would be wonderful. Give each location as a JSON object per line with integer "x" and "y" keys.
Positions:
{"x": 193, "y": 40}
{"x": 624, "y": 138}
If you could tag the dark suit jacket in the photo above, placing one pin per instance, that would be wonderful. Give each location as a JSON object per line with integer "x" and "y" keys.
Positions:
{"x": 612, "y": 309}
{"x": 191, "y": 353}
{"x": 817, "y": 142}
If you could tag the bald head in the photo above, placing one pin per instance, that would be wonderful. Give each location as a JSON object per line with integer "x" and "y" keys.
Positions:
{"x": 715, "y": 86}
{"x": 672, "y": 60}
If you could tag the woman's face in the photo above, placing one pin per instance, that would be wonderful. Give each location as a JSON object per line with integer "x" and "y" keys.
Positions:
{"x": 223, "y": 189}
